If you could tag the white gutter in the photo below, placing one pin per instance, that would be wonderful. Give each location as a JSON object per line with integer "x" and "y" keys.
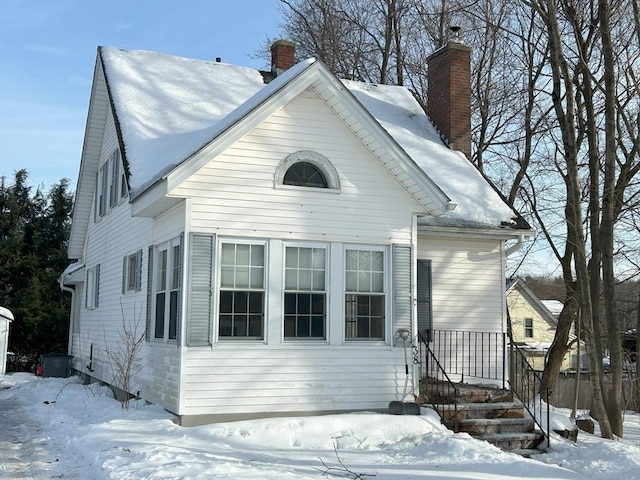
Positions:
{"x": 517, "y": 246}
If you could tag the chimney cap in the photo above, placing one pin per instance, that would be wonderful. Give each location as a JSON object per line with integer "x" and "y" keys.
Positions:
{"x": 455, "y": 30}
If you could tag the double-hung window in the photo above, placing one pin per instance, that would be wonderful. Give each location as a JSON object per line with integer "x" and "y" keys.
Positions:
{"x": 92, "y": 288}
{"x": 132, "y": 272}
{"x": 114, "y": 184}
{"x": 168, "y": 264}
{"x": 528, "y": 327}
{"x": 364, "y": 295}
{"x": 103, "y": 188}
{"x": 242, "y": 291}
{"x": 305, "y": 293}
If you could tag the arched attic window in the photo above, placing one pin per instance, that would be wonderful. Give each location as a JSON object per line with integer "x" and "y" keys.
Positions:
{"x": 307, "y": 169}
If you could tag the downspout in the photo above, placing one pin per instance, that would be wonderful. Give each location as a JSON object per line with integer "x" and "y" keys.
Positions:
{"x": 64, "y": 288}
{"x": 516, "y": 247}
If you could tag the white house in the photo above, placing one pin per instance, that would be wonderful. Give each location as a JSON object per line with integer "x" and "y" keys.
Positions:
{"x": 274, "y": 235}
{"x": 6, "y": 317}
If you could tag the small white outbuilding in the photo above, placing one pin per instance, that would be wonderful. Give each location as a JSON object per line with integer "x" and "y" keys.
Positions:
{"x": 6, "y": 317}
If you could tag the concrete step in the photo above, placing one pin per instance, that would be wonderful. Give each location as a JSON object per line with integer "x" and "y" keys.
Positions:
{"x": 527, "y": 452}
{"x": 438, "y": 392}
{"x": 486, "y": 426}
{"x": 513, "y": 441}
{"x": 482, "y": 410}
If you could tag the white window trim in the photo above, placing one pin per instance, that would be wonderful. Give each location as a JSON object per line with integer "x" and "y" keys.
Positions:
{"x": 169, "y": 247}
{"x": 317, "y": 160}
{"x": 106, "y": 184}
{"x": 92, "y": 288}
{"x": 132, "y": 277}
{"x": 218, "y": 287}
{"x": 526, "y": 328}
{"x": 327, "y": 286}
{"x": 387, "y": 288}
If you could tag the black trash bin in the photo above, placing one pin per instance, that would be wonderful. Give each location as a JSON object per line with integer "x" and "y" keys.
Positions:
{"x": 56, "y": 364}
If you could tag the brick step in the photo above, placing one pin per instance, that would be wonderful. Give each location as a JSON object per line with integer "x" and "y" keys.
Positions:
{"x": 477, "y": 427}
{"x": 481, "y": 410}
{"x": 513, "y": 441}
{"x": 436, "y": 392}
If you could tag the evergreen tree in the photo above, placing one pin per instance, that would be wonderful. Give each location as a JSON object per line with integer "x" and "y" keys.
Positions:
{"x": 34, "y": 228}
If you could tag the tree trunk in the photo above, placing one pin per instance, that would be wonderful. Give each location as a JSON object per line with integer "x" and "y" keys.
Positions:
{"x": 614, "y": 397}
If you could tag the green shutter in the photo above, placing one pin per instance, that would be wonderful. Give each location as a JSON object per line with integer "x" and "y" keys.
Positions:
{"x": 200, "y": 272}
{"x": 402, "y": 299}
{"x": 425, "y": 313}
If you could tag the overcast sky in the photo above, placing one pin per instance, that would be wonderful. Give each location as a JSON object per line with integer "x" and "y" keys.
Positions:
{"x": 47, "y": 56}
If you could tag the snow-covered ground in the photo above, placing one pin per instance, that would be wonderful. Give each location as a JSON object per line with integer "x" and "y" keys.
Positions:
{"x": 59, "y": 428}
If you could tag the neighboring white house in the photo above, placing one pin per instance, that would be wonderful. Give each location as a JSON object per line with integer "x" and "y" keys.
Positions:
{"x": 6, "y": 317}
{"x": 274, "y": 234}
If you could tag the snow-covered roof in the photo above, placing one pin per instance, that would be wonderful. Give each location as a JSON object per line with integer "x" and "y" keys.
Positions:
{"x": 168, "y": 108}
{"x": 554, "y": 306}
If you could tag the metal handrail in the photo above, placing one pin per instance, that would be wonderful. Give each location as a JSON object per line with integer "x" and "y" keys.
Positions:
{"x": 465, "y": 354}
{"x": 528, "y": 386}
{"x": 444, "y": 385}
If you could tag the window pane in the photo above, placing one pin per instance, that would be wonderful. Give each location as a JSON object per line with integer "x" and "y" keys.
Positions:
{"x": 364, "y": 282}
{"x": 162, "y": 271}
{"x": 377, "y": 282}
{"x": 255, "y": 326}
{"x": 240, "y": 325}
{"x": 352, "y": 260}
{"x": 289, "y": 325}
{"x": 317, "y": 327}
{"x": 377, "y": 261}
{"x": 227, "y": 275}
{"x": 318, "y": 280}
{"x": 291, "y": 260}
{"x": 291, "y": 279}
{"x": 159, "y": 330}
{"x": 256, "y": 302}
{"x": 317, "y": 304}
{"x": 304, "y": 304}
{"x": 377, "y": 328}
{"x": 306, "y": 175}
{"x": 352, "y": 282}
{"x": 226, "y": 302}
{"x": 319, "y": 258}
{"x": 175, "y": 267}
{"x": 240, "y": 302}
{"x": 228, "y": 256}
{"x": 257, "y": 277}
{"x": 225, "y": 325}
{"x": 173, "y": 314}
{"x": 242, "y": 277}
{"x": 242, "y": 254}
{"x": 290, "y": 303}
{"x": 257, "y": 255}
{"x": 304, "y": 257}
{"x": 304, "y": 280}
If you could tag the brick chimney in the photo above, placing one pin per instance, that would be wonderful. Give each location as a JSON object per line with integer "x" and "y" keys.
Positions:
{"x": 449, "y": 94}
{"x": 283, "y": 54}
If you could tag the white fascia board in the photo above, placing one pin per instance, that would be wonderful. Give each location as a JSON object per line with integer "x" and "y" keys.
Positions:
{"x": 461, "y": 232}
{"x": 89, "y": 160}
{"x": 153, "y": 201}
{"x": 424, "y": 182}
{"x": 237, "y": 130}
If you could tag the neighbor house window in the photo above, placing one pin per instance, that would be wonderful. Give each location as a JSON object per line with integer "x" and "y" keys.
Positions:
{"x": 242, "y": 292}
{"x": 305, "y": 293}
{"x": 528, "y": 327}
{"x": 167, "y": 283}
{"x": 132, "y": 272}
{"x": 364, "y": 295}
{"x": 93, "y": 287}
